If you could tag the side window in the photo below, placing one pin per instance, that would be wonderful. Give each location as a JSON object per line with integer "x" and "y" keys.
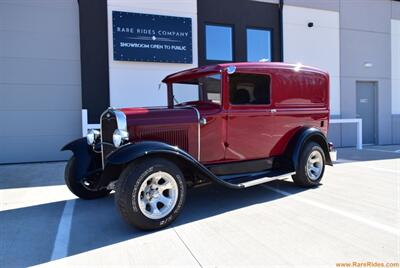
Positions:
{"x": 211, "y": 88}
{"x": 249, "y": 89}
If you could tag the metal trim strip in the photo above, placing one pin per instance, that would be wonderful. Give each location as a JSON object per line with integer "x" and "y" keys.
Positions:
{"x": 198, "y": 131}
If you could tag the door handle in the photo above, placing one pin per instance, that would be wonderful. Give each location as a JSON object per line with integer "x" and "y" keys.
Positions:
{"x": 272, "y": 111}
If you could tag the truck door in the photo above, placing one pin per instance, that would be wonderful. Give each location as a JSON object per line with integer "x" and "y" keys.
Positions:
{"x": 212, "y": 130}
{"x": 250, "y": 127}
{"x": 203, "y": 94}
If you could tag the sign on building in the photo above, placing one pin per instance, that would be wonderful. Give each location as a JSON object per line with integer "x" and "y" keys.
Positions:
{"x": 151, "y": 38}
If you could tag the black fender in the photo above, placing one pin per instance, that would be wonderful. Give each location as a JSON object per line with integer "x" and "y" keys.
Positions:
{"x": 87, "y": 161}
{"x": 301, "y": 138}
{"x": 134, "y": 151}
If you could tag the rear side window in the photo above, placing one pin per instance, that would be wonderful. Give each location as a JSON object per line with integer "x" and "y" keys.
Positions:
{"x": 249, "y": 89}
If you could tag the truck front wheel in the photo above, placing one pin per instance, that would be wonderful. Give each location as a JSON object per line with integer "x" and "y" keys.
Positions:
{"x": 311, "y": 166}
{"x": 76, "y": 187}
{"x": 150, "y": 193}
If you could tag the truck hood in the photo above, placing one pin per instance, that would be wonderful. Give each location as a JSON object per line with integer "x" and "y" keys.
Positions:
{"x": 159, "y": 116}
{"x": 177, "y": 126}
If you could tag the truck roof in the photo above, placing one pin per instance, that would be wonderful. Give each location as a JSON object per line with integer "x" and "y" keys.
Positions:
{"x": 240, "y": 66}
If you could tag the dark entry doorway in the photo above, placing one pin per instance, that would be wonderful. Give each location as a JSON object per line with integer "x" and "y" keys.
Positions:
{"x": 365, "y": 97}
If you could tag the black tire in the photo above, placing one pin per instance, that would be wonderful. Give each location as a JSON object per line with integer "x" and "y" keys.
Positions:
{"x": 77, "y": 188}
{"x": 128, "y": 189}
{"x": 302, "y": 177}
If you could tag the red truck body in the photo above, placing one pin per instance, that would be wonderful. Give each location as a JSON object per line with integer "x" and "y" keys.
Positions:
{"x": 235, "y": 124}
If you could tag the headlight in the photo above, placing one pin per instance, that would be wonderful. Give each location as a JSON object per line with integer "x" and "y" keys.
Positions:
{"x": 119, "y": 137}
{"x": 92, "y": 136}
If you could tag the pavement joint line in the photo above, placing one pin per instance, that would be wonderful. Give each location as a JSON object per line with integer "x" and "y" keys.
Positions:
{"x": 340, "y": 160}
{"x": 378, "y": 168}
{"x": 186, "y": 246}
{"x": 61, "y": 243}
{"x": 383, "y": 151}
{"x": 353, "y": 162}
{"x": 346, "y": 214}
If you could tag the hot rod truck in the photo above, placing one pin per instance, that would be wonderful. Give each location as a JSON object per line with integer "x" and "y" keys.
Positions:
{"x": 234, "y": 124}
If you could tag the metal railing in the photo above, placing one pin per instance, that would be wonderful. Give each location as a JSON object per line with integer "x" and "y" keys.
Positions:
{"x": 357, "y": 121}
{"x": 85, "y": 125}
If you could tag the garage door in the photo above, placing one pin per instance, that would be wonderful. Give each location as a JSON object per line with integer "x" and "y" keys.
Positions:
{"x": 40, "y": 92}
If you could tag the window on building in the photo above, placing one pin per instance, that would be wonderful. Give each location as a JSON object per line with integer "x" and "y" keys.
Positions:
{"x": 249, "y": 89}
{"x": 258, "y": 44}
{"x": 219, "y": 42}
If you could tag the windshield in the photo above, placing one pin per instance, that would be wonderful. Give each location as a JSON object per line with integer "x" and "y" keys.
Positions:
{"x": 205, "y": 89}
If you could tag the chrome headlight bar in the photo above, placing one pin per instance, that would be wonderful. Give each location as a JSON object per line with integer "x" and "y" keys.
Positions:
{"x": 121, "y": 134}
{"x": 120, "y": 137}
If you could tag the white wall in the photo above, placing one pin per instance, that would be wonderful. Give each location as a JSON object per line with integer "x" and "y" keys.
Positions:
{"x": 316, "y": 46}
{"x": 395, "y": 26}
{"x": 136, "y": 83}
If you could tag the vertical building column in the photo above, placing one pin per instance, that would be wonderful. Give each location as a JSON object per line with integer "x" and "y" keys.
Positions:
{"x": 94, "y": 57}
{"x": 395, "y": 52}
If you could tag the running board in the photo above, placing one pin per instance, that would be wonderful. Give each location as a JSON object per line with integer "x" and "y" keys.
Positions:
{"x": 265, "y": 179}
{"x": 248, "y": 180}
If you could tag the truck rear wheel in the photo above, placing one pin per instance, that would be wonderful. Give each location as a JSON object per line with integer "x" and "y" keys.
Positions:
{"x": 311, "y": 166}
{"x": 77, "y": 188}
{"x": 150, "y": 193}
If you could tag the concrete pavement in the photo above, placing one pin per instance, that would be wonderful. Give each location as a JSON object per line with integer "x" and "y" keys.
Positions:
{"x": 353, "y": 216}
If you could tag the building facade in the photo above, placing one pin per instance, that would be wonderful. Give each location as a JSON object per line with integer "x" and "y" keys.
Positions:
{"x": 61, "y": 56}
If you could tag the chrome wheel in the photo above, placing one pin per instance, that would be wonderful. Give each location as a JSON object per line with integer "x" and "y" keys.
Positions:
{"x": 158, "y": 195}
{"x": 314, "y": 165}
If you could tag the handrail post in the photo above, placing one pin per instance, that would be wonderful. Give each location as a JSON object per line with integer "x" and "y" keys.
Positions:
{"x": 84, "y": 122}
{"x": 359, "y": 134}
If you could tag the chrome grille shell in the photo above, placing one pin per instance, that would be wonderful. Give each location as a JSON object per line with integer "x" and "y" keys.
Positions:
{"x": 110, "y": 120}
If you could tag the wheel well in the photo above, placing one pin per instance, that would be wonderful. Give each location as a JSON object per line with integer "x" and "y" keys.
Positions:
{"x": 297, "y": 143}
{"x": 322, "y": 142}
{"x": 186, "y": 168}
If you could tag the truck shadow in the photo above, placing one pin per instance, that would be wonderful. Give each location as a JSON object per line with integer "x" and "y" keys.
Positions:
{"x": 14, "y": 176}
{"x": 28, "y": 233}
{"x": 368, "y": 153}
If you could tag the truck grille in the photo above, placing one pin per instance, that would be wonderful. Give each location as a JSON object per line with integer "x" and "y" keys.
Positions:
{"x": 171, "y": 135}
{"x": 108, "y": 126}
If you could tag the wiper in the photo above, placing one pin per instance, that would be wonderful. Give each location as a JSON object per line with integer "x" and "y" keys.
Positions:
{"x": 175, "y": 100}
